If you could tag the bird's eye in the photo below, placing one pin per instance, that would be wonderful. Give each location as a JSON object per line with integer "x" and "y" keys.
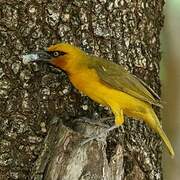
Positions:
{"x": 58, "y": 53}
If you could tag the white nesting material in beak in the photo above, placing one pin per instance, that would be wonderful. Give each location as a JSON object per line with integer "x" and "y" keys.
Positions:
{"x": 30, "y": 57}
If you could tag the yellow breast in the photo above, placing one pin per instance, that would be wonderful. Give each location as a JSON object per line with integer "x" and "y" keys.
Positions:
{"x": 89, "y": 83}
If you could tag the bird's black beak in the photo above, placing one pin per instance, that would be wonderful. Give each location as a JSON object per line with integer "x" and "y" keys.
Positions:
{"x": 36, "y": 57}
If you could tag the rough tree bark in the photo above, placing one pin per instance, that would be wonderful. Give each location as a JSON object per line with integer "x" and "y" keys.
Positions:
{"x": 35, "y": 146}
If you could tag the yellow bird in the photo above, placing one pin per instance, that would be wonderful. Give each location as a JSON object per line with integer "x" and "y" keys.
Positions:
{"x": 106, "y": 83}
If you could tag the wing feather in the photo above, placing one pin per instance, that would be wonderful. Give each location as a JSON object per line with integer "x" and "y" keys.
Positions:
{"x": 118, "y": 78}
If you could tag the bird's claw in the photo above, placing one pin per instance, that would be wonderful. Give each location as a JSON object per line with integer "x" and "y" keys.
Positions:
{"x": 101, "y": 136}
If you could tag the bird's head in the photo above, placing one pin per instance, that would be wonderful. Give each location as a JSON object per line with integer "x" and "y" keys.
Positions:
{"x": 61, "y": 55}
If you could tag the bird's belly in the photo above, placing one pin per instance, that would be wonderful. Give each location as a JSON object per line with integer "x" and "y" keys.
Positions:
{"x": 93, "y": 90}
{"x": 90, "y": 85}
{"x": 103, "y": 94}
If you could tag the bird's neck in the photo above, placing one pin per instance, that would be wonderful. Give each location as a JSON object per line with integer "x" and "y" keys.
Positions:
{"x": 76, "y": 64}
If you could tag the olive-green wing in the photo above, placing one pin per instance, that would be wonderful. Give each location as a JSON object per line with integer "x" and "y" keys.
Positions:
{"x": 118, "y": 78}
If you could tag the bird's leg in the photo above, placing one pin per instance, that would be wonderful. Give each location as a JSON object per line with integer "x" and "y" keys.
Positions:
{"x": 119, "y": 119}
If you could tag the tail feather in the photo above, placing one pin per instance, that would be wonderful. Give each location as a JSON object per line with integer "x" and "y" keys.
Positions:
{"x": 155, "y": 124}
{"x": 166, "y": 141}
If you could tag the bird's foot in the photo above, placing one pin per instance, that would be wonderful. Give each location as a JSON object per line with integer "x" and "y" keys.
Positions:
{"x": 101, "y": 136}
{"x": 96, "y": 122}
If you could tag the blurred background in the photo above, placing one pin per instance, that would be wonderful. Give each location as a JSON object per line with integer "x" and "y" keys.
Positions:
{"x": 170, "y": 76}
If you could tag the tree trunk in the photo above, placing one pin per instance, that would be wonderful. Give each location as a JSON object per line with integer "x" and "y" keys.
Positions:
{"x": 34, "y": 144}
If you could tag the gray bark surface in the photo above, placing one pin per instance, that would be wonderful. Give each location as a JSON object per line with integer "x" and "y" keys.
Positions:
{"x": 32, "y": 145}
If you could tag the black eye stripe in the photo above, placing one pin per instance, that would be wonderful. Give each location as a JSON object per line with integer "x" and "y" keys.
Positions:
{"x": 56, "y": 53}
